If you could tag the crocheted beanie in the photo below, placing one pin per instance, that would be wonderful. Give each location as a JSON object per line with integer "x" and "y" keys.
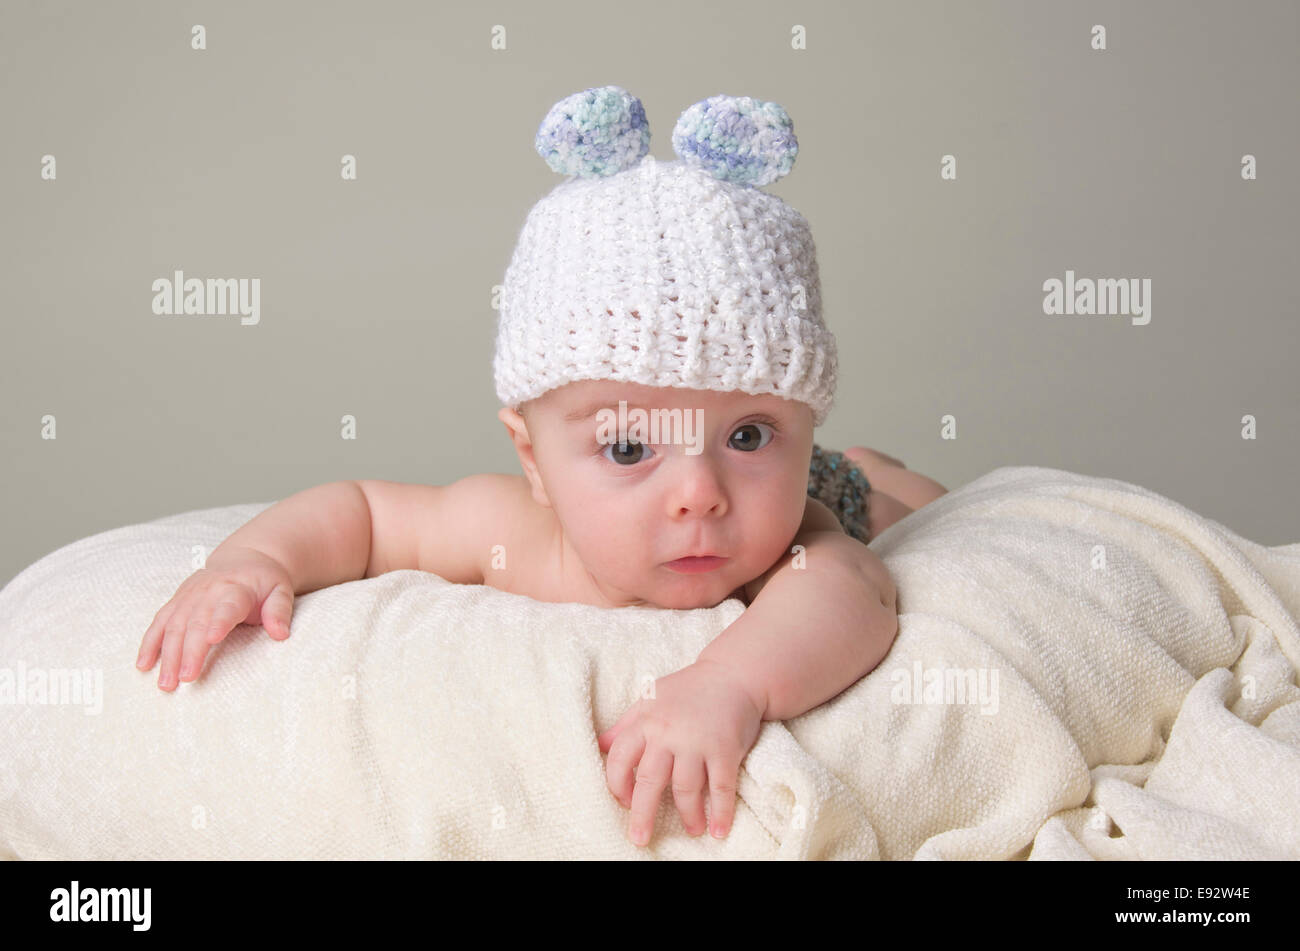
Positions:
{"x": 679, "y": 273}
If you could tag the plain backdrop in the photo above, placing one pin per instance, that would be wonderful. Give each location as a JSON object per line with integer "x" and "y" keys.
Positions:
{"x": 377, "y": 293}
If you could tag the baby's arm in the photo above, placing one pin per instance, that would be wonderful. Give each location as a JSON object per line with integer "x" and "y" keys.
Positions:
{"x": 818, "y": 621}
{"x": 816, "y": 624}
{"x": 322, "y": 536}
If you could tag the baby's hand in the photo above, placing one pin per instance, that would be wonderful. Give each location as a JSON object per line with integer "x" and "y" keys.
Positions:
{"x": 239, "y": 587}
{"x": 701, "y": 720}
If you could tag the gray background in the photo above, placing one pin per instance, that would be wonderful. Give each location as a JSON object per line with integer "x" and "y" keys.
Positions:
{"x": 376, "y": 294}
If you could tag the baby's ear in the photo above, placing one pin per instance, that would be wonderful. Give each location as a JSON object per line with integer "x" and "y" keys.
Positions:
{"x": 517, "y": 430}
{"x": 513, "y": 422}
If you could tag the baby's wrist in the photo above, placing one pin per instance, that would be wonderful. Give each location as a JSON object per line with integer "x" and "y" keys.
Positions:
{"x": 756, "y": 693}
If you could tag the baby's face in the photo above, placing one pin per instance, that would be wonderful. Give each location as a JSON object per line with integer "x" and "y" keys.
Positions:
{"x": 726, "y": 474}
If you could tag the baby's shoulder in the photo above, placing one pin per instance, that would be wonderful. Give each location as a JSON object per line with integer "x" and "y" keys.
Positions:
{"x": 506, "y": 507}
{"x": 521, "y": 532}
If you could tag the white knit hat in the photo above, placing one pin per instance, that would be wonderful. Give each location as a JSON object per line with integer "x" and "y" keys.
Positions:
{"x": 676, "y": 273}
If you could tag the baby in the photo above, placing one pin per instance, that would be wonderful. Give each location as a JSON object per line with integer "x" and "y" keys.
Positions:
{"x": 663, "y": 363}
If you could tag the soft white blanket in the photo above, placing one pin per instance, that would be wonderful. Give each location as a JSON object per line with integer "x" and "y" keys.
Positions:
{"x": 1132, "y": 667}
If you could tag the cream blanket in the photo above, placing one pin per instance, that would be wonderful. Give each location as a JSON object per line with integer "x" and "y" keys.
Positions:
{"x": 1120, "y": 680}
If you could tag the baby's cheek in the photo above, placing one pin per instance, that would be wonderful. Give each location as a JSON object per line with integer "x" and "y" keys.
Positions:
{"x": 767, "y": 549}
{"x": 780, "y": 532}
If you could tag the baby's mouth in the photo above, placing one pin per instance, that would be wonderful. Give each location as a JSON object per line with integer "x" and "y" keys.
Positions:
{"x": 696, "y": 564}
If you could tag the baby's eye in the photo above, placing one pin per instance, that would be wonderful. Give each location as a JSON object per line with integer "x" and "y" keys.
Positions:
{"x": 749, "y": 441}
{"x": 628, "y": 453}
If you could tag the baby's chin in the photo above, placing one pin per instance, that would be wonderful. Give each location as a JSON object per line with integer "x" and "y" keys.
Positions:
{"x": 685, "y": 592}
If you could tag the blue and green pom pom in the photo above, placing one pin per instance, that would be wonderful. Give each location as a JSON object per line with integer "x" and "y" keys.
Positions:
{"x": 603, "y": 131}
{"x": 737, "y": 139}
{"x": 594, "y": 133}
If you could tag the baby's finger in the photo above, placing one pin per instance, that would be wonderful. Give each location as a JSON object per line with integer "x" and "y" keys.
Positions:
{"x": 652, "y": 774}
{"x": 228, "y": 613}
{"x": 153, "y": 637}
{"x": 722, "y": 794}
{"x": 196, "y": 644}
{"x": 623, "y": 755}
{"x": 173, "y": 642}
{"x": 688, "y": 792}
{"x": 606, "y": 739}
{"x": 276, "y": 611}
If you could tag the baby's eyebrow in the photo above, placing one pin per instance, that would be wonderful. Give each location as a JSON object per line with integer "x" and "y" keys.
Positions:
{"x": 580, "y": 414}
{"x": 590, "y": 410}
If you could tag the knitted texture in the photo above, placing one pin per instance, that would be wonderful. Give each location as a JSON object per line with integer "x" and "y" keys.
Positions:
{"x": 664, "y": 273}
{"x": 836, "y": 482}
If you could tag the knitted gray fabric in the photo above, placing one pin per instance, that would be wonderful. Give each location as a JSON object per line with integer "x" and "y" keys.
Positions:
{"x": 837, "y": 482}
